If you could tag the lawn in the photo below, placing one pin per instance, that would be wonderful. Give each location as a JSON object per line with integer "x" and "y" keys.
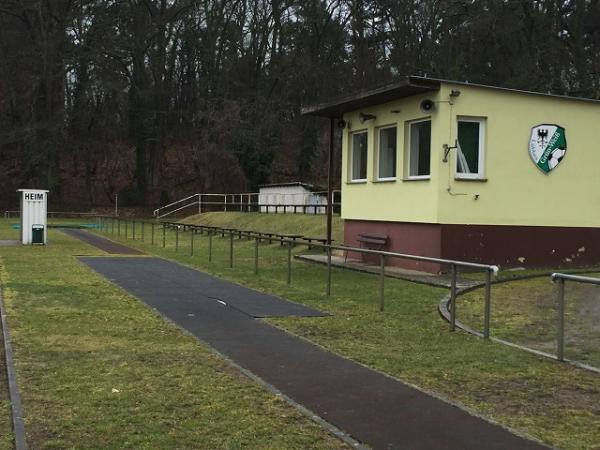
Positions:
{"x": 550, "y": 401}
{"x": 6, "y": 434}
{"x": 525, "y": 312}
{"x": 99, "y": 370}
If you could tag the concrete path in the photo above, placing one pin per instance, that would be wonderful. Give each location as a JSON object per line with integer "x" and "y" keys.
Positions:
{"x": 375, "y": 409}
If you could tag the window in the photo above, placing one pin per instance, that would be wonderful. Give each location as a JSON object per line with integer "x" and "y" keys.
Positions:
{"x": 469, "y": 152}
{"x": 419, "y": 149}
{"x": 358, "y": 157}
{"x": 387, "y": 153}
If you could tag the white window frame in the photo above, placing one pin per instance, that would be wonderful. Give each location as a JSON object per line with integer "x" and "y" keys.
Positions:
{"x": 480, "y": 165}
{"x": 408, "y": 175}
{"x": 351, "y": 157}
{"x": 379, "y": 130}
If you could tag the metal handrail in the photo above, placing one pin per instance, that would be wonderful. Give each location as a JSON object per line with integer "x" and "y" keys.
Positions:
{"x": 565, "y": 276}
{"x": 180, "y": 208}
{"x": 157, "y": 212}
{"x": 560, "y": 278}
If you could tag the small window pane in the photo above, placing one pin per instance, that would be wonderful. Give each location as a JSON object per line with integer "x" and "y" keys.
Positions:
{"x": 359, "y": 156}
{"x": 467, "y": 160}
{"x": 420, "y": 148}
{"x": 387, "y": 153}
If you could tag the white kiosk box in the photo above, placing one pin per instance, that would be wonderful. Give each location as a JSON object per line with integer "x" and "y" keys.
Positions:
{"x": 34, "y": 212}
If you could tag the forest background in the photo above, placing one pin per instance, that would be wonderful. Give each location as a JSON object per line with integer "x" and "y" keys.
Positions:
{"x": 157, "y": 99}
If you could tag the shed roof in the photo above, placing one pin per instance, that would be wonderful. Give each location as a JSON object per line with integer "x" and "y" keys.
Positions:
{"x": 410, "y": 85}
{"x": 294, "y": 183}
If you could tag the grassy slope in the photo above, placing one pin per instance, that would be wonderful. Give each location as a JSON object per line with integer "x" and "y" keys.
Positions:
{"x": 305, "y": 224}
{"x": 553, "y": 402}
{"x": 98, "y": 369}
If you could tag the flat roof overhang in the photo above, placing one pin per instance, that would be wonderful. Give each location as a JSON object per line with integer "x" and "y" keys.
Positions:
{"x": 364, "y": 99}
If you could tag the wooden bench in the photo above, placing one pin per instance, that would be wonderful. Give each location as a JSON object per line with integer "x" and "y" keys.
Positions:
{"x": 371, "y": 241}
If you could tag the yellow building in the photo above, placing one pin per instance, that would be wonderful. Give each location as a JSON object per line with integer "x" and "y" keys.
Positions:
{"x": 464, "y": 171}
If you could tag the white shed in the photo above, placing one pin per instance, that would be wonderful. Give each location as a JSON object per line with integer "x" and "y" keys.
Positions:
{"x": 290, "y": 198}
{"x": 34, "y": 213}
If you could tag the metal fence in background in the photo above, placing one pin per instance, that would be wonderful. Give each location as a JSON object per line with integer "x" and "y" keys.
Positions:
{"x": 272, "y": 202}
{"x": 53, "y": 214}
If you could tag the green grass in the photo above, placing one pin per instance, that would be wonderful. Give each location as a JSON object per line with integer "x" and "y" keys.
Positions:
{"x": 99, "y": 370}
{"x": 525, "y": 312}
{"x": 552, "y": 402}
{"x": 6, "y": 434}
{"x": 306, "y": 224}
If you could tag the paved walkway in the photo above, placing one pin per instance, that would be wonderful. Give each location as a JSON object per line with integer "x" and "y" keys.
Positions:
{"x": 102, "y": 243}
{"x": 373, "y": 408}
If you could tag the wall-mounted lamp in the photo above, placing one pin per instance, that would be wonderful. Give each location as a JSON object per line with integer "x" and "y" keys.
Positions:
{"x": 364, "y": 117}
{"x": 454, "y": 93}
{"x": 447, "y": 149}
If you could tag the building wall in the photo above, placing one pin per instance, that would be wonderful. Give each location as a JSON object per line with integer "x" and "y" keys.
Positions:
{"x": 409, "y": 238}
{"x": 515, "y": 191}
{"x": 411, "y": 201}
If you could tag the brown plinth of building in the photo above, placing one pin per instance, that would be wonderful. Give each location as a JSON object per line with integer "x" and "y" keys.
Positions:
{"x": 504, "y": 245}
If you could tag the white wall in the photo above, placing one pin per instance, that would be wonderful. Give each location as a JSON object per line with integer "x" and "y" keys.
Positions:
{"x": 289, "y": 195}
{"x": 34, "y": 211}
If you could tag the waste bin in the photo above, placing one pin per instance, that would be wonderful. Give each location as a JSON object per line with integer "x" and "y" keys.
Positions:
{"x": 37, "y": 234}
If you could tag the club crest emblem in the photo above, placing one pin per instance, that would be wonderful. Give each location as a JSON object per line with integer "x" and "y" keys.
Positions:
{"x": 547, "y": 146}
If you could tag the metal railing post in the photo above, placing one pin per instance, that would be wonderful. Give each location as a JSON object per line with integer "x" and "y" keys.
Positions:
{"x": 381, "y": 281}
{"x": 210, "y": 236}
{"x": 488, "y": 304}
{"x": 192, "y": 242}
{"x": 177, "y": 238}
{"x": 143, "y": 229}
{"x": 328, "y": 271}
{"x": 152, "y": 234}
{"x": 256, "y": 256}
{"x": 118, "y": 227}
{"x": 164, "y": 235}
{"x": 453, "y": 298}
{"x": 133, "y": 228}
{"x": 289, "y": 262}
{"x": 560, "y": 350}
{"x": 230, "y": 249}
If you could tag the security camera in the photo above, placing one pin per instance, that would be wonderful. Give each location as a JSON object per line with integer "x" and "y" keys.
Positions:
{"x": 427, "y": 105}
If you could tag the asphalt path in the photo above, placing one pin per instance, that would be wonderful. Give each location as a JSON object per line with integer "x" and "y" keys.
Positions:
{"x": 373, "y": 408}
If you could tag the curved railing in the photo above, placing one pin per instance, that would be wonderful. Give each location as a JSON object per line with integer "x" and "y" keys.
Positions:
{"x": 446, "y": 312}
